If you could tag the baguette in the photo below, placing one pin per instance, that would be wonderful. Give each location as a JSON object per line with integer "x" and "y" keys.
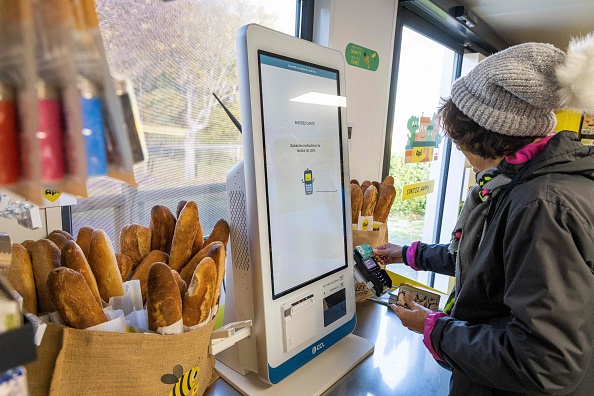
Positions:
{"x": 364, "y": 186}
{"x": 377, "y": 185}
{"x": 45, "y": 257}
{"x": 28, "y": 244}
{"x": 71, "y": 295}
{"x": 83, "y": 239}
{"x": 163, "y": 303}
{"x": 356, "y": 203}
{"x": 218, "y": 255}
{"x": 384, "y": 203}
{"x": 104, "y": 265}
{"x": 20, "y": 276}
{"x": 181, "y": 284}
{"x": 188, "y": 271}
{"x": 125, "y": 265}
{"x": 388, "y": 180}
{"x": 73, "y": 257}
{"x": 200, "y": 295}
{"x": 142, "y": 270}
{"x": 184, "y": 235}
{"x": 162, "y": 226}
{"x": 198, "y": 241}
{"x": 135, "y": 241}
{"x": 66, "y": 234}
{"x": 220, "y": 232}
{"x": 59, "y": 239}
{"x": 369, "y": 201}
{"x": 180, "y": 206}
{"x": 199, "y": 237}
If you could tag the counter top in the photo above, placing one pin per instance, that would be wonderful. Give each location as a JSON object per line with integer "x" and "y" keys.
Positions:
{"x": 399, "y": 365}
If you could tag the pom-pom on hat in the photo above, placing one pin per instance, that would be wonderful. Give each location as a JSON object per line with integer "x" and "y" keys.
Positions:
{"x": 515, "y": 91}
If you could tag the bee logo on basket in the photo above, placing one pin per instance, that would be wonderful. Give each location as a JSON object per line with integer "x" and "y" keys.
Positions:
{"x": 185, "y": 384}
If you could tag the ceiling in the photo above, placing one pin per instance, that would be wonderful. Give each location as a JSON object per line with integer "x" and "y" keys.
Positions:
{"x": 550, "y": 21}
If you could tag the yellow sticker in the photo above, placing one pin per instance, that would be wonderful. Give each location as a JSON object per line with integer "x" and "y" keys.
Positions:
{"x": 51, "y": 195}
{"x": 417, "y": 189}
{"x": 422, "y": 154}
{"x": 365, "y": 225}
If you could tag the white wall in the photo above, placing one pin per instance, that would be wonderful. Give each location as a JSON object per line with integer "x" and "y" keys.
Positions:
{"x": 370, "y": 24}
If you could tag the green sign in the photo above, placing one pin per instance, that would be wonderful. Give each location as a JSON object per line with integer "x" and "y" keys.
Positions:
{"x": 361, "y": 57}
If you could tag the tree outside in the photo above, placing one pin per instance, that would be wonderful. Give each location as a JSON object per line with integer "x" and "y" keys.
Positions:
{"x": 405, "y": 223}
{"x": 177, "y": 55}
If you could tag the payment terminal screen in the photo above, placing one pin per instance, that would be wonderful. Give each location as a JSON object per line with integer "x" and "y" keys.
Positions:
{"x": 303, "y": 166}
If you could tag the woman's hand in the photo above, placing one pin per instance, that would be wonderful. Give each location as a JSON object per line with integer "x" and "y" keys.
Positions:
{"x": 388, "y": 253}
{"x": 414, "y": 318}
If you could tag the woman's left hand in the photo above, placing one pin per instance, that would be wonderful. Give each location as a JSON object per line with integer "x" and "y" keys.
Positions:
{"x": 414, "y": 318}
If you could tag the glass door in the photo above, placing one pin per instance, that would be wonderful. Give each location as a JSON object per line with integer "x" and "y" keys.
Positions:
{"x": 418, "y": 152}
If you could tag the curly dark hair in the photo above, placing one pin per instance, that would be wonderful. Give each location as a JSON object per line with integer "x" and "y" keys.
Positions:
{"x": 470, "y": 136}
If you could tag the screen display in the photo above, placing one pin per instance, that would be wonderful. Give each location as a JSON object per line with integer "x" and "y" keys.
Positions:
{"x": 370, "y": 264}
{"x": 304, "y": 177}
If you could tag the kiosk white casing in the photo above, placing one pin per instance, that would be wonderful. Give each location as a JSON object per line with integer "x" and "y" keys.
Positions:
{"x": 293, "y": 324}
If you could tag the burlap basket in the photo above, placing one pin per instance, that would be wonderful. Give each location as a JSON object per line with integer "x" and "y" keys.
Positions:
{"x": 83, "y": 362}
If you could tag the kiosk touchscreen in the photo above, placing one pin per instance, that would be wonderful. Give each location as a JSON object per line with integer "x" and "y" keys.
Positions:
{"x": 290, "y": 265}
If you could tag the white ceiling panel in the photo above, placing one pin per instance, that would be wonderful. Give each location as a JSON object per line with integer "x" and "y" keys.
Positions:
{"x": 551, "y": 21}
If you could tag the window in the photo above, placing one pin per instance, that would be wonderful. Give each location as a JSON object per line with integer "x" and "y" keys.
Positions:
{"x": 177, "y": 54}
{"x": 419, "y": 156}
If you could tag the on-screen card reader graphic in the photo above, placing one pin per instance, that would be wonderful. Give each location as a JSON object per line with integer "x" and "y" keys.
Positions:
{"x": 308, "y": 181}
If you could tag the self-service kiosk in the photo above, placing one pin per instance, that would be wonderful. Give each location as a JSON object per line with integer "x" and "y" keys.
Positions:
{"x": 290, "y": 264}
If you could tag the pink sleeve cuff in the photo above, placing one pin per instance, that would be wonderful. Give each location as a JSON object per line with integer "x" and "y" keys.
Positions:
{"x": 411, "y": 254}
{"x": 429, "y": 325}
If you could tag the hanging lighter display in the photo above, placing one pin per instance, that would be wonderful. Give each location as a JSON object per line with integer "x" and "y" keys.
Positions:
{"x": 50, "y": 134}
{"x": 93, "y": 128}
{"x": 10, "y": 159}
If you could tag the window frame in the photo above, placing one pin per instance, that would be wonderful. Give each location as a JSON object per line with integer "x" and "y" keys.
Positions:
{"x": 407, "y": 18}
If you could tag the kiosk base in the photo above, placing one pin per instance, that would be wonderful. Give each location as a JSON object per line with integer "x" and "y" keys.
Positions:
{"x": 311, "y": 379}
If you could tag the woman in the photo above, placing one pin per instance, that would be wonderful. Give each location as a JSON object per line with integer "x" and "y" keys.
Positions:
{"x": 522, "y": 250}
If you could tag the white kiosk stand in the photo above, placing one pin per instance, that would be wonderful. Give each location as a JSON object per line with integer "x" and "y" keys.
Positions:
{"x": 290, "y": 265}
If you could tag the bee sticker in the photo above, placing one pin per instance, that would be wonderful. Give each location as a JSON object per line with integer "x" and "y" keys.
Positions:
{"x": 185, "y": 384}
{"x": 365, "y": 224}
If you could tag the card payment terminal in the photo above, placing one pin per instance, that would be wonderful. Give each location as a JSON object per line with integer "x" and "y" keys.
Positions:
{"x": 370, "y": 270}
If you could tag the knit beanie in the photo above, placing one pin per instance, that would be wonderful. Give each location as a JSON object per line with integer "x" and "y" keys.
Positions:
{"x": 515, "y": 91}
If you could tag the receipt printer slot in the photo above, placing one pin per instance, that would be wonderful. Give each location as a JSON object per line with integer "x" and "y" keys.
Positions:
{"x": 299, "y": 322}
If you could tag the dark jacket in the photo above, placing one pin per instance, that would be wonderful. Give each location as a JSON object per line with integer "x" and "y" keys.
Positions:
{"x": 523, "y": 322}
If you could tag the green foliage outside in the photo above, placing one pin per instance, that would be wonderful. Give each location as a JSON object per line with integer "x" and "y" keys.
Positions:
{"x": 405, "y": 174}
